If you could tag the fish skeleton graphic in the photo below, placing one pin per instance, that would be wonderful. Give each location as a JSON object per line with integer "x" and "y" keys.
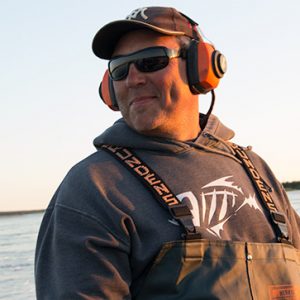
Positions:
{"x": 219, "y": 202}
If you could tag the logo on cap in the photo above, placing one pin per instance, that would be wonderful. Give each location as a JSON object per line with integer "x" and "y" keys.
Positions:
{"x": 136, "y": 12}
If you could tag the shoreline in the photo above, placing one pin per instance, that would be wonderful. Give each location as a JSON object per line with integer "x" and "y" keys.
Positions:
{"x": 21, "y": 212}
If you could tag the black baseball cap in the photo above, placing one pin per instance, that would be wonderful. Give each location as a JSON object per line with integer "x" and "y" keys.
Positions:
{"x": 165, "y": 20}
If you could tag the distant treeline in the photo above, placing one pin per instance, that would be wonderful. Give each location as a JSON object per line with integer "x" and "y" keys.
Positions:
{"x": 291, "y": 185}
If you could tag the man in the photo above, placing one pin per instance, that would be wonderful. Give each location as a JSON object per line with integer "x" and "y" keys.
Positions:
{"x": 168, "y": 207}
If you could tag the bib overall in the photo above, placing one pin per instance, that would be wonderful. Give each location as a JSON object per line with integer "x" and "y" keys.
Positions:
{"x": 202, "y": 269}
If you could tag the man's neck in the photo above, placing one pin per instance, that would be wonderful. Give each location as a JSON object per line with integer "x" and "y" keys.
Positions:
{"x": 187, "y": 134}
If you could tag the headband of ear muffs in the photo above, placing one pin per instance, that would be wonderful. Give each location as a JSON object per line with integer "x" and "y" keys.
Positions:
{"x": 205, "y": 67}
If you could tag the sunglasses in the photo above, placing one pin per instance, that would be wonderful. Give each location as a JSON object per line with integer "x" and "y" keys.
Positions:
{"x": 147, "y": 60}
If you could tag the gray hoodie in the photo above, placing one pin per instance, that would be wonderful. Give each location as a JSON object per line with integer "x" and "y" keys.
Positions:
{"x": 103, "y": 228}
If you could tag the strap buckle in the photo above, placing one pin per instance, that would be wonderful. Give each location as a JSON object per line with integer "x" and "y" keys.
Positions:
{"x": 182, "y": 214}
{"x": 279, "y": 219}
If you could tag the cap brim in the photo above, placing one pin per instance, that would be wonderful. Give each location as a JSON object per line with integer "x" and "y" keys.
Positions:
{"x": 108, "y": 36}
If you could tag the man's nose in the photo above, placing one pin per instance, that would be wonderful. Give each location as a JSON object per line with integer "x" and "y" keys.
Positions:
{"x": 135, "y": 77}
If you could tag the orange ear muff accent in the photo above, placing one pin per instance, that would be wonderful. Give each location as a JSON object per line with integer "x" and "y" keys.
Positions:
{"x": 205, "y": 67}
{"x": 106, "y": 91}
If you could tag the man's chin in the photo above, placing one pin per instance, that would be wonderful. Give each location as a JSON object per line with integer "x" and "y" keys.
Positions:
{"x": 144, "y": 127}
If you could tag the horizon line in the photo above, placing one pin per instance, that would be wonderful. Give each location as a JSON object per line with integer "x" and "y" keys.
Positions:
{"x": 21, "y": 212}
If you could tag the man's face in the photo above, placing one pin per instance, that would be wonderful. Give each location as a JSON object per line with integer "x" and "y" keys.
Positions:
{"x": 155, "y": 103}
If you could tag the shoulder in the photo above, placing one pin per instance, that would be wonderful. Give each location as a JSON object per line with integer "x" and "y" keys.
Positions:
{"x": 265, "y": 170}
{"x": 97, "y": 164}
{"x": 87, "y": 184}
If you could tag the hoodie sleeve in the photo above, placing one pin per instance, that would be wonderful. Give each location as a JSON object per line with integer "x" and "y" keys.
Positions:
{"x": 79, "y": 253}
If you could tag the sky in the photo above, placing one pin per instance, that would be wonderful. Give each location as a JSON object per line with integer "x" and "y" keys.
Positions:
{"x": 49, "y": 77}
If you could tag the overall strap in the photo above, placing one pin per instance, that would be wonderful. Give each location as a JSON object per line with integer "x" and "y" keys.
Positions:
{"x": 160, "y": 190}
{"x": 180, "y": 211}
{"x": 278, "y": 219}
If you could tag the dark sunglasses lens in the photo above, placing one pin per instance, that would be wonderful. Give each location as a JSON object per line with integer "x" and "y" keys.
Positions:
{"x": 151, "y": 64}
{"x": 120, "y": 72}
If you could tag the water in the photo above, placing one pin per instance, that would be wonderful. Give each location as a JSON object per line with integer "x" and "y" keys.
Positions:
{"x": 294, "y": 197}
{"x": 18, "y": 235}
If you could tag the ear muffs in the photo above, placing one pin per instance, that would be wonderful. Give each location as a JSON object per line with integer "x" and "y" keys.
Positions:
{"x": 107, "y": 93}
{"x": 205, "y": 67}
